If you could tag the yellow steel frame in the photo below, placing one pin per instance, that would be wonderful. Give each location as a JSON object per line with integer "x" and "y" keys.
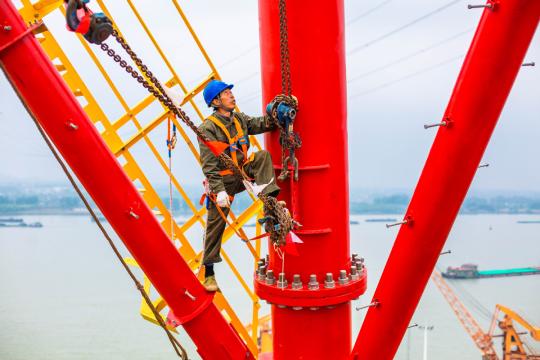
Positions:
{"x": 122, "y": 149}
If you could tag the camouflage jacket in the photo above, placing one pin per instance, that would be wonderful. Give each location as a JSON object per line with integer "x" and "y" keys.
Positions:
{"x": 209, "y": 162}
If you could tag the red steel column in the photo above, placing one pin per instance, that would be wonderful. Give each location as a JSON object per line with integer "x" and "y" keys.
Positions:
{"x": 51, "y": 103}
{"x": 487, "y": 75}
{"x": 309, "y": 324}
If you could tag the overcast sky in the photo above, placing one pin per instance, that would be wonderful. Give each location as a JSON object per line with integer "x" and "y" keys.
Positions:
{"x": 402, "y": 63}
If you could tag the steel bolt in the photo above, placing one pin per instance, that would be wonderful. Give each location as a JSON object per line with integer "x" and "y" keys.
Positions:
{"x": 329, "y": 281}
{"x": 261, "y": 276}
{"x": 343, "y": 279}
{"x": 297, "y": 282}
{"x": 270, "y": 279}
{"x": 263, "y": 260}
{"x": 353, "y": 257}
{"x": 313, "y": 284}
{"x": 72, "y": 126}
{"x": 488, "y": 6}
{"x": 297, "y": 308}
{"x": 259, "y": 264}
{"x": 282, "y": 282}
{"x": 7, "y": 28}
{"x": 354, "y": 273}
{"x": 442, "y": 123}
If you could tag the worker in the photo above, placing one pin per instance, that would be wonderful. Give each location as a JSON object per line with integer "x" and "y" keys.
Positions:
{"x": 233, "y": 128}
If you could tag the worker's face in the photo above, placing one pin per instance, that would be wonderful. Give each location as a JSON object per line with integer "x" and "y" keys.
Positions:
{"x": 227, "y": 99}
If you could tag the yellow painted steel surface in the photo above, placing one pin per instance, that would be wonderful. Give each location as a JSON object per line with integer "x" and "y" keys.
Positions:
{"x": 142, "y": 119}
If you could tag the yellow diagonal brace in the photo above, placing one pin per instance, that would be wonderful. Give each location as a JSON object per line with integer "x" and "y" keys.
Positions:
{"x": 141, "y": 133}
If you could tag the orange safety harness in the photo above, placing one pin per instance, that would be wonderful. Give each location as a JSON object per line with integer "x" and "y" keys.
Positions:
{"x": 239, "y": 142}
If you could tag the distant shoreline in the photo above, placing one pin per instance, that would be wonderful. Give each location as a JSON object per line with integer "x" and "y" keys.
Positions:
{"x": 63, "y": 212}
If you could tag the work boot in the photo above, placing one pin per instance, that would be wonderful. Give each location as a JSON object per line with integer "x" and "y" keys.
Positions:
{"x": 210, "y": 284}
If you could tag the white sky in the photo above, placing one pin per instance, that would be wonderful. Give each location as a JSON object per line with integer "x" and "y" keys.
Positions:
{"x": 387, "y": 142}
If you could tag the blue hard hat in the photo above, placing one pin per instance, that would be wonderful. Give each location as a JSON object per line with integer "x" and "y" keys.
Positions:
{"x": 213, "y": 89}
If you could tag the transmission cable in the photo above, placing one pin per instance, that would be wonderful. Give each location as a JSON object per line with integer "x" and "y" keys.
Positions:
{"x": 406, "y": 77}
{"x": 409, "y": 56}
{"x": 367, "y": 12}
{"x": 402, "y": 27}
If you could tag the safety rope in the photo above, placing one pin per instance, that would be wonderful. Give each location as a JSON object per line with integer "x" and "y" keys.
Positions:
{"x": 178, "y": 348}
{"x": 171, "y": 143}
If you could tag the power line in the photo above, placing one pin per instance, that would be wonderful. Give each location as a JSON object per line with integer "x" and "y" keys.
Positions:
{"x": 402, "y": 27}
{"x": 409, "y": 56}
{"x": 246, "y": 52}
{"x": 250, "y": 76}
{"x": 406, "y": 77}
{"x": 366, "y": 13}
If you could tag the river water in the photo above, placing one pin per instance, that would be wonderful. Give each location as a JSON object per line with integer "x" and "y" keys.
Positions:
{"x": 65, "y": 296}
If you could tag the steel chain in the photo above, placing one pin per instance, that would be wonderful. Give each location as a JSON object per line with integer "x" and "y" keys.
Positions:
{"x": 271, "y": 206}
{"x": 286, "y": 84}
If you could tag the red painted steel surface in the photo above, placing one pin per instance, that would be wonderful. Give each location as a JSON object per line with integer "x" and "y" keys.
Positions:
{"x": 50, "y": 101}
{"x": 317, "y": 48}
{"x": 487, "y": 75}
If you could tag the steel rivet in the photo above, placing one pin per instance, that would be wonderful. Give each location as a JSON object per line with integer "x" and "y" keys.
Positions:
{"x": 7, "y": 28}
{"x": 133, "y": 215}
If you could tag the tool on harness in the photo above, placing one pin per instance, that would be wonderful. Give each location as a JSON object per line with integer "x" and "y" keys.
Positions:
{"x": 95, "y": 27}
{"x": 153, "y": 86}
{"x": 283, "y": 110}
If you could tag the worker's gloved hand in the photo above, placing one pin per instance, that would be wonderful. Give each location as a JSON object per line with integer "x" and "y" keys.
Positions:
{"x": 222, "y": 199}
